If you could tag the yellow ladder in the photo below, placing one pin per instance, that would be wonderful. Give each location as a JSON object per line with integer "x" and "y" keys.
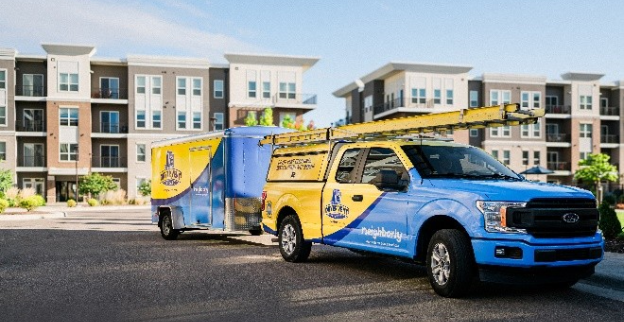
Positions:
{"x": 470, "y": 118}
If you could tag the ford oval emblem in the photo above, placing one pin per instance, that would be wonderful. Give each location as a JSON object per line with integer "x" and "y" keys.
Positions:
{"x": 570, "y": 218}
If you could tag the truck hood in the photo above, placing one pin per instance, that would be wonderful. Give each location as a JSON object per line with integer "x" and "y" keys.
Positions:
{"x": 505, "y": 190}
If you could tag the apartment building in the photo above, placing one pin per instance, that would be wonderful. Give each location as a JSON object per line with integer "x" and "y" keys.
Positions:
{"x": 68, "y": 113}
{"x": 583, "y": 114}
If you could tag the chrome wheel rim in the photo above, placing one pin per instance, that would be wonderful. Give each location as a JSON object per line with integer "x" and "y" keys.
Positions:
{"x": 166, "y": 225}
{"x": 289, "y": 239}
{"x": 440, "y": 264}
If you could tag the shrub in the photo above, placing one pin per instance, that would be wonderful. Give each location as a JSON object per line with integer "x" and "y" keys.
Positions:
{"x": 27, "y": 193}
{"x": 12, "y": 195}
{"x": 71, "y": 203}
{"x": 92, "y": 202}
{"x": 609, "y": 223}
{"x": 117, "y": 197}
{"x": 29, "y": 203}
{"x": 40, "y": 200}
{"x": 3, "y": 205}
{"x": 610, "y": 199}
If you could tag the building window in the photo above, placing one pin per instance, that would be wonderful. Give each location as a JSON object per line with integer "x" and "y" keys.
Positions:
{"x": 584, "y": 155}
{"x": 181, "y": 86}
{"x": 530, "y": 100}
{"x": 449, "y": 97}
{"x": 140, "y": 156}
{"x": 140, "y": 181}
{"x": 34, "y": 183}
{"x": 109, "y": 122}
{"x": 3, "y": 74}
{"x": 197, "y": 121}
{"x": 500, "y": 132}
{"x": 3, "y": 151}
{"x": 586, "y": 102}
{"x": 525, "y": 157}
{"x": 197, "y": 84}
{"x": 68, "y": 116}
{"x": 117, "y": 182}
{"x": 3, "y": 115}
{"x": 109, "y": 87}
{"x": 218, "y": 123}
{"x": 140, "y": 119}
{"x": 586, "y": 131}
{"x": 531, "y": 131}
{"x": 506, "y": 157}
{"x": 181, "y": 120}
{"x": 536, "y": 157}
{"x": 266, "y": 89}
{"x": 474, "y": 133}
{"x": 156, "y": 124}
{"x": 287, "y": 90}
{"x": 140, "y": 84}
{"x": 368, "y": 103}
{"x": 110, "y": 156}
{"x": 419, "y": 95}
{"x": 495, "y": 154}
{"x": 156, "y": 85}
{"x": 69, "y": 151}
{"x": 498, "y": 97}
{"x": 32, "y": 85}
{"x": 474, "y": 98}
{"x": 437, "y": 96}
{"x": 251, "y": 89}
{"x": 218, "y": 88}
{"x": 68, "y": 82}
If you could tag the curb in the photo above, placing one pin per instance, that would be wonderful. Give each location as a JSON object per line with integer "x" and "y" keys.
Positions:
{"x": 19, "y": 217}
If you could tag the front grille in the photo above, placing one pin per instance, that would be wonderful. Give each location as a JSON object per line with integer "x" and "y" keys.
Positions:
{"x": 545, "y": 218}
{"x": 556, "y": 255}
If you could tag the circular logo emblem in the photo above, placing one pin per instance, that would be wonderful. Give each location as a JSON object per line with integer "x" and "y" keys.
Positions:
{"x": 570, "y": 218}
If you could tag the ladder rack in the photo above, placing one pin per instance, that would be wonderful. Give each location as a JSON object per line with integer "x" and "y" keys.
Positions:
{"x": 471, "y": 118}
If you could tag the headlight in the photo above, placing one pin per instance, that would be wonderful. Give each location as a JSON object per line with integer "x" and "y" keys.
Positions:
{"x": 494, "y": 215}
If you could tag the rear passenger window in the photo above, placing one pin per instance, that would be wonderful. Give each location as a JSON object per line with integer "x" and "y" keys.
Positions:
{"x": 346, "y": 168}
{"x": 384, "y": 170}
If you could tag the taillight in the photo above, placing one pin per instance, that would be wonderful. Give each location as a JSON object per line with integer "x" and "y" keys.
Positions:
{"x": 264, "y": 196}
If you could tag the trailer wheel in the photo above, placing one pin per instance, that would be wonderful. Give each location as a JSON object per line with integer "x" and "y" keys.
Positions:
{"x": 450, "y": 263}
{"x": 166, "y": 228}
{"x": 291, "y": 244}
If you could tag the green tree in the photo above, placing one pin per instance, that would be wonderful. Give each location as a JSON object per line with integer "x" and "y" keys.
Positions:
{"x": 609, "y": 223}
{"x": 288, "y": 122}
{"x": 267, "y": 117}
{"x": 95, "y": 184}
{"x": 6, "y": 180}
{"x": 595, "y": 169}
{"x": 251, "y": 119}
{"x": 145, "y": 188}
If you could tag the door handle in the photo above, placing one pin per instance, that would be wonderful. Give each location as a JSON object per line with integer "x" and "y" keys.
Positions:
{"x": 357, "y": 198}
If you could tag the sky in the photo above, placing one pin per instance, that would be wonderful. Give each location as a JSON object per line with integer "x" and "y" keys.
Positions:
{"x": 351, "y": 38}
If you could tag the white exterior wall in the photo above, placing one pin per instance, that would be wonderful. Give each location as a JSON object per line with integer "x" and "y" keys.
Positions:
{"x": 239, "y": 78}
{"x": 80, "y": 64}
{"x": 457, "y": 82}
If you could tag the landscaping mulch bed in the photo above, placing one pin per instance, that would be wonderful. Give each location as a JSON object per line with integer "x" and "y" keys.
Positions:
{"x": 615, "y": 246}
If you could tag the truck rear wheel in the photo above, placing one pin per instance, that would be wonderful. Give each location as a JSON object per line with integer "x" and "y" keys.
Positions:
{"x": 450, "y": 263}
{"x": 291, "y": 244}
{"x": 166, "y": 228}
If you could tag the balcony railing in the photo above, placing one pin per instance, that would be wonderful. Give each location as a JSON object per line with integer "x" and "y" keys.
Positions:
{"x": 559, "y": 166}
{"x": 609, "y": 138}
{"x": 30, "y": 90}
{"x": 108, "y": 162}
{"x": 556, "y": 137}
{"x": 112, "y": 127}
{"x": 110, "y": 93}
{"x": 30, "y": 126}
{"x": 297, "y": 98}
{"x": 390, "y": 105}
{"x": 31, "y": 161}
{"x": 557, "y": 109}
{"x": 609, "y": 110}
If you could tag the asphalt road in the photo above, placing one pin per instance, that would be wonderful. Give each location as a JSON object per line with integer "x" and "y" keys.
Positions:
{"x": 114, "y": 266}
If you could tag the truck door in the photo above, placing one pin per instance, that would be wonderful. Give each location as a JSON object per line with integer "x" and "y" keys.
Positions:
{"x": 366, "y": 209}
{"x": 201, "y": 190}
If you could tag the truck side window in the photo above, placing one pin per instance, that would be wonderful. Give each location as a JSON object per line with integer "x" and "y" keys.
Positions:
{"x": 384, "y": 170}
{"x": 346, "y": 167}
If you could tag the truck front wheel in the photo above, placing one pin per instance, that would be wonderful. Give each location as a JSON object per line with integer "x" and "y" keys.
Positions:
{"x": 291, "y": 244}
{"x": 166, "y": 228}
{"x": 450, "y": 263}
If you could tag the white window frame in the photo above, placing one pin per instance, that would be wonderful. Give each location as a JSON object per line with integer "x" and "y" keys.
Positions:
{"x": 69, "y": 117}
{"x": 217, "y": 88}
{"x": 419, "y": 95}
{"x": 156, "y": 89}
{"x": 34, "y": 183}
{"x": 181, "y": 85}
{"x": 449, "y": 97}
{"x": 287, "y": 90}
{"x": 494, "y": 154}
{"x": 138, "y": 88}
{"x": 196, "y": 124}
{"x": 531, "y": 131}
{"x": 252, "y": 89}
{"x": 69, "y": 154}
{"x": 3, "y": 150}
{"x": 537, "y": 155}
{"x": 474, "y": 98}
{"x": 585, "y": 130}
{"x": 266, "y": 89}
{"x": 218, "y": 123}
{"x": 3, "y": 115}
{"x": 178, "y": 114}
{"x": 585, "y": 102}
{"x": 154, "y": 113}
{"x": 506, "y": 157}
{"x": 197, "y": 88}
{"x": 474, "y": 133}
{"x": 525, "y": 157}
{"x": 3, "y": 78}
{"x": 138, "y": 154}
{"x": 437, "y": 96}
{"x": 368, "y": 103}
{"x": 71, "y": 85}
{"x": 144, "y": 120}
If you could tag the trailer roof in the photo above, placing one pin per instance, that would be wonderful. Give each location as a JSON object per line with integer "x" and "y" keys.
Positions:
{"x": 244, "y": 131}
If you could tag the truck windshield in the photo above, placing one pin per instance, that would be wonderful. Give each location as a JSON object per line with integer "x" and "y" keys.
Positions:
{"x": 435, "y": 161}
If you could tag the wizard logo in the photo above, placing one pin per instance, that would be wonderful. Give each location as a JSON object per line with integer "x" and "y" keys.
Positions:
{"x": 170, "y": 176}
{"x": 335, "y": 209}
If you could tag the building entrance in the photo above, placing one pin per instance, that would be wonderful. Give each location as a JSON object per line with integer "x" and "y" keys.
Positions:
{"x": 65, "y": 190}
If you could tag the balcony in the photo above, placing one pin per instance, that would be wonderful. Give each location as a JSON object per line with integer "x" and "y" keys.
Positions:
{"x": 31, "y": 161}
{"x": 609, "y": 138}
{"x": 388, "y": 106}
{"x": 30, "y": 91}
{"x": 111, "y": 127}
{"x": 557, "y": 109}
{"x": 298, "y": 99}
{"x": 108, "y": 162}
{"x": 609, "y": 111}
{"x": 110, "y": 93}
{"x": 559, "y": 166}
{"x": 557, "y": 137}
{"x": 31, "y": 126}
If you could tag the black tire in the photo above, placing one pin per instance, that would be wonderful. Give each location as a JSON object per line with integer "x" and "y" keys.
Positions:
{"x": 450, "y": 263}
{"x": 291, "y": 243}
{"x": 166, "y": 228}
{"x": 256, "y": 232}
{"x": 562, "y": 285}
